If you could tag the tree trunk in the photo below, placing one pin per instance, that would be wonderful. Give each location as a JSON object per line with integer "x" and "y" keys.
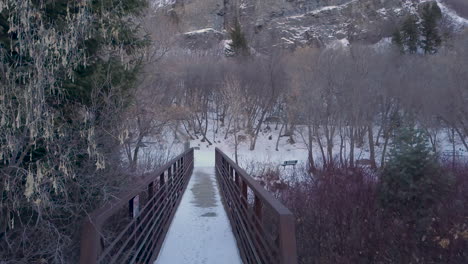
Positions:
{"x": 176, "y": 137}
{"x": 228, "y": 127}
{"x": 128, "y": 150}
{"x": 223, "y": 116}
{"x": 329, "y": 134}
{"x": 236, "y": 144}
{"x": 187, "y": 130}
{"x": 205, "y": 130}
{"x": 215, "y": 129}
{"x": 341, "y": 147}
{"x": 460, "y": 134}
{"x": 291, "y": 134}
{"x": 384, "y": 150}
{"x": 310, "y": 150}
{"x": 257, "y": 130}
{"x": 462, "y": 137}
{"x": 319, "y": 141}
{"x": 377, "y": 143}
{"x": 134, "y": 162}
{"x": 433, "y": 140}
{"x": 279, "y": 136}
{"x": 371, "y": 147}
{"x": 351, "y": 147}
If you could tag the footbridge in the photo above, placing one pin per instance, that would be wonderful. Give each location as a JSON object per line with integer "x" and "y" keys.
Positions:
{"x": 198, "y": 208}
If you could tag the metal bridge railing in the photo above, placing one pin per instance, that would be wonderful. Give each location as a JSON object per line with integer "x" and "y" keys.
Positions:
{"x": 132, "y": 227}
{"x": 264, "y": 228}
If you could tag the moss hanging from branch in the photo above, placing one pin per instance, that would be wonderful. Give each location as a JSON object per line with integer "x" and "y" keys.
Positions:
{"x": 66, "y": 72}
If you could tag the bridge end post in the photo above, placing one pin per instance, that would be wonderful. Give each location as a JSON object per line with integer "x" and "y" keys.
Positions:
{"x": 90, "y": 243}
{"x": 287, "y": 239}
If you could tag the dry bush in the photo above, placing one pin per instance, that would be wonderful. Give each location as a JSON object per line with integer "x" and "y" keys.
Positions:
{"x": 61, "y": 109}
{"x": 340, "y": 220}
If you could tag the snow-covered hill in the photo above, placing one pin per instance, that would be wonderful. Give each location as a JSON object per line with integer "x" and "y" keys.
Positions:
{"x": 457, "y": 20}
{"x": 294, "y": 23}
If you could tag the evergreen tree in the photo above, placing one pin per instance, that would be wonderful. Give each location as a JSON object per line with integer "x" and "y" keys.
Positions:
{"x": 239, "y": 42}
{"x": 412, "y": 180}
{"x": 397, "y": 39}
{"x": 431, "y": 14}
{"x": 425, "y": 35}
{"x": 67, "y": 69}
{"x": 410, "y": 34}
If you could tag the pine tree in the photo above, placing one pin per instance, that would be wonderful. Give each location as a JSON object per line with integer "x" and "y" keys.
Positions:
{"x": 239, "y": 42}
{"x": 431, "y": 15}
{"x": 412, "y": 180}
{"x": 397, "y": 39}
{"x": 410, "y": 33}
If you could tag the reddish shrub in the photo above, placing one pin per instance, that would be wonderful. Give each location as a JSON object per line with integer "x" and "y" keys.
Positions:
{"x": 340, "y": 220}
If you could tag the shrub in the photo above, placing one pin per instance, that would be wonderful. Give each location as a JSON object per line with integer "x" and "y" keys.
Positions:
{"x": 340, "y": 218}
{"x": 412, "y": 182}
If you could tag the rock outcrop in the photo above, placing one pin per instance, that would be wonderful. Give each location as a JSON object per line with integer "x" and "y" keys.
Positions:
{"x": 291, "y": 23}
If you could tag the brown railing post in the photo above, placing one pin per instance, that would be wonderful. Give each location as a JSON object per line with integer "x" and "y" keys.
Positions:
{"x": 244, "y": 194}
{"x": 174, "y": 171}
{"x": 150, "y": 190}
{"x": 258, "y": 207}
{"x": 170, "y": 176}
{"x": 90, "y": 243}
{"x": 162, "y": 181}
{"x": 287, "y": 239}
{"x": 231, "y": 173}
{"x": 181, "y": 166}
{"x": 170, "y": 179}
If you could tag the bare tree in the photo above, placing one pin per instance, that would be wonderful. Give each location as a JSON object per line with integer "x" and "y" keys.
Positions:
{"x": 265, "y": 88}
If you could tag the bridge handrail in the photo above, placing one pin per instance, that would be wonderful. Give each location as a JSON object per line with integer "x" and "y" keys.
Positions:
{"x": 256, "y": 244}
{"x": 174, "y": 175}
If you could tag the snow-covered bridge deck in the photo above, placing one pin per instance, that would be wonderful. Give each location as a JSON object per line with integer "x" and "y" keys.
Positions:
{"x": 200, "y": 232}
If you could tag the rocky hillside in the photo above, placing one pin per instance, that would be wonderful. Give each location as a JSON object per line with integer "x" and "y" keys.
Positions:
{"x": 294, "y": 23}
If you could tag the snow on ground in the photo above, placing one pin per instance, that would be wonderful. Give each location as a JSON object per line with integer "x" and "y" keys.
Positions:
{"x": 458, "y": 20}
{"x": 205, "y": 158}
{"x": 265, "y": 149}
{"x": 452, "y": 14}
{"x": 200, "y": 232}
{"x": 265, "y": 154}
{"x": 322, "y": 9}
{"x": 339, "y": 44}
{"x": 161, "y": 3}
{"x": 202, "y": 31}
{"x": 383, "y": 45}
